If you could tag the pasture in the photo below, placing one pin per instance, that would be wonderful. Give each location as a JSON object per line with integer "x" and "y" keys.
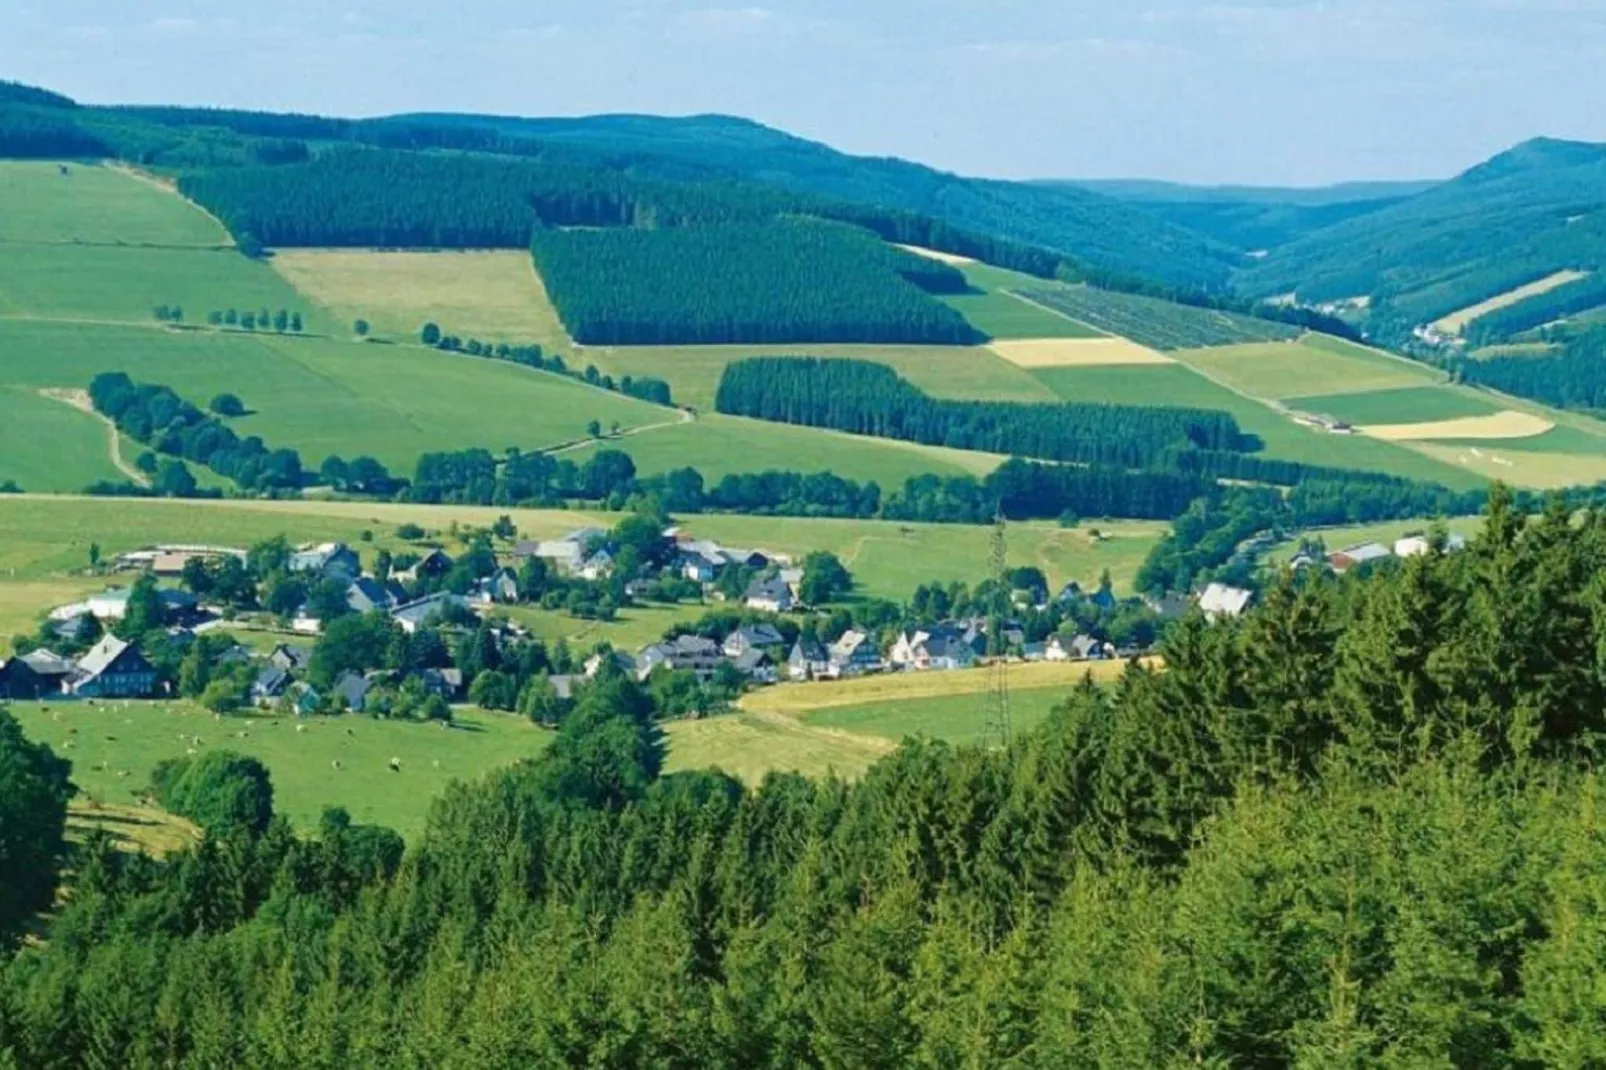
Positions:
{"x": 1411, "y": 404}
{"x": 112, "y": 284}
{"x": 1278, "y": 370}
{"x": 113, "y": 747}
{"x": 958, "y": 718}
{"x": 809, "y": 701}
{"x": 97, "y": 205}
{"x": 1456, "y": 322}
{"x": 321, "y": 396}
{"x": 492, "y": 295}
{"x": 749, "y": 747}
{"x": 49, "y": 445}
{"x": 1538, "y": 470}
{"x": 1076, "y": 353}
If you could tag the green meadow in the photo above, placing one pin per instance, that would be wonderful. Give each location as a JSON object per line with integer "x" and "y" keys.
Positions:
{"x": 1277, "y": 370}
{"x": 97, "y": 205}
{"x": 1409, "y": 405}
{"x": 956, "y": 718}
{"x": 1003, "y": 315}
{"x": 49, "y": 445}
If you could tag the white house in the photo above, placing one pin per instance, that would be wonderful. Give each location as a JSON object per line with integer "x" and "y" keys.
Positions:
{"x": 1220, "y": 600}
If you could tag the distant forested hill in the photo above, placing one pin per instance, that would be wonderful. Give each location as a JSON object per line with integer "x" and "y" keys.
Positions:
{"x": 1097, "y": 231}
{"x": 1523, "y": 215}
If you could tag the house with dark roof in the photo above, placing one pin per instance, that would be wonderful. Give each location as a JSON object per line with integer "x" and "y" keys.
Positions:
{"x": 270, "y": 684}
{"x": 684, "y": 653}
{"x": 808, "y": 660}
{"x": 757, "y": 665}
{"x": 33, "y": 676}
{"x": 351, "y": 691}
{"x": 854, "y": 654}
{"x": 368, "y": 595}
{"x": 290, "y": 658}
{"x": 759, "y": 636}
{"x": 771, "y": 594}
{"x": 432, "y": 566}
{"x": 499, "y": 588}
{"x": 330, "y": 561}
{"x": 113, "y": 669}
{"x": 415, "y": 615}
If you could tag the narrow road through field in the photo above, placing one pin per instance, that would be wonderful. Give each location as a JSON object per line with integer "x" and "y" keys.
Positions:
{"x": 686, "y": 417}
{"x": 79, "y": 399}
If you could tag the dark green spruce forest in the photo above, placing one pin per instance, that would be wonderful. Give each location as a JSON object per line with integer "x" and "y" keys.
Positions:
{"x": 1358, "y": 827}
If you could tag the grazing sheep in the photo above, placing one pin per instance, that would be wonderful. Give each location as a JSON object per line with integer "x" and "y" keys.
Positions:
{"x": 395, "y": 765}
{"x": 335, "y": 765}
{"x": 301, "y": 728}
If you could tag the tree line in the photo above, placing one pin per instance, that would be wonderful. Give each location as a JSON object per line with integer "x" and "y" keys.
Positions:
{"x": 792, "y": 280}
{"x": 644, "y": 388}
{"x": 1574, "y": 378}
{"x": 866, "y": 398}
{"x": 1501, "y": 325}
{"x": 1357, "y": 827}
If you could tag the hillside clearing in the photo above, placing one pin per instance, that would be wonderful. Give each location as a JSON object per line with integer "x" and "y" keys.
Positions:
{"x": 493, "y": 295}
{"x": 802, "y": 700}
{"x": 1534, "y": 470}
{"x": 749, "y": 747}
{"x": 1456, "y": 322}
{"x": 1501, "y": 425}
{"x": 1075, "y": 352}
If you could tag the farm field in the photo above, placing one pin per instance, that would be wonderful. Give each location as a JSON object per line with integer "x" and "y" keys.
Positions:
{"x": 123, "y": 284}
{"x": 1539, "y": 470}
{"x": 1183, "y": 386}
{"x": 97, "y": 205}
{"x": 693, "y": 372}
{"x": 1001, "y": 314}
{"x": 1560, "y": 439}
{"x": 49, "y": 445}
{"x": 493, "y": 295}
{"x": 322, "y": 396}
{"x": 748, "y": 747}
{"x": 807, "y": 701}
{"x": 1411, "y": 404}
{"x": 1076, "y": 353}
{"x": 1278, "y": 370}
{"x": 1456, "y": 322}
{"x": 1507, "y": 427}
{"x": 1155, "y": 323}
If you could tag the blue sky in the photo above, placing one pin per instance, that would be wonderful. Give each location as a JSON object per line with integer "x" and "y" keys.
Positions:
{"x": 1252, "y": 91}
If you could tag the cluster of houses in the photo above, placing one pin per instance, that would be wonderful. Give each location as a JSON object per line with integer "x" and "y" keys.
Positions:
{"x": 366, "y": 593}
{"x": 584, "y": 554}
{"x": 112, "y": 669}
{"x": 1371, "y": 552}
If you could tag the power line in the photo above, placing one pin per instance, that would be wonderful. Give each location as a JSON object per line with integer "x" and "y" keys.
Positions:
{"x": 999, "y": 726}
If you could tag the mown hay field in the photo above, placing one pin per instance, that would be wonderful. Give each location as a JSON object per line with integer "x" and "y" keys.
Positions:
{"x": 95, "y": 204}
{"x": 492, "y": 295}
{"x": 1411, "y": 404}
{"x": 1076, "y": 353}
{"x": 1497, "y": 426}
{"x": 1280, "y": 370}
{"x": 1456, "y": 322}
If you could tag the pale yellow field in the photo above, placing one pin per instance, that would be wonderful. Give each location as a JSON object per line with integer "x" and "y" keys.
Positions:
{"x": 1507, "y": 424}
{"x": 1456, "y": 322}
{"x": 932, "y": 254}
{"x": 1075, "y": 352}
{"x": 493, "y": 295}
{"x": 793, "y": 700}
{"x": 748, "y": 746}
{"x": 1535, "y": 471}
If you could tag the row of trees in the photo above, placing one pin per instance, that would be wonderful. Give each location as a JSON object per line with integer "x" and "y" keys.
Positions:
{"x": 284, "y": 321}
{"x": 1358, "y": 827}
{"x": 158, "y": 417}
{"x": 646, "y": 388}
{"x": 866, "y": 398}
{"x": 794, "y": 280}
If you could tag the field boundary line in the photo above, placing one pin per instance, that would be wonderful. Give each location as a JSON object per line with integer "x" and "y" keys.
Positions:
{"x": 1056, "y": 312}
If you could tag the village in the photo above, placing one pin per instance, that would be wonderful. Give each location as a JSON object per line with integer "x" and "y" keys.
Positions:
{"x": 767, "y": 627}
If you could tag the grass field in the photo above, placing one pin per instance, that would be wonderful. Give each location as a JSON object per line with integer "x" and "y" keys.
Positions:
{"x": 1412, "y": 404}
{"x": 1538, "y": 470}
{"x": 1560, "y": 439}
{"x": 1279, "y": 370}
{"x": 719, "y": 445}
{"x": 493, "y": 295}
{"x": 1456, "y": 322}
{"x": 806, "y": 701}
{"x": 748, "y": 747}
{"x": 50, "y": 446}
{"x": 322, "y": 396}
{"x": 96, "y": 205}
{"x": 113, "y": 748}
{"x": 957, "y": 718}
{"x": 1001, "y": 314}
{"x": 123, "y": 285}
{"x": 1152, "y": 322}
